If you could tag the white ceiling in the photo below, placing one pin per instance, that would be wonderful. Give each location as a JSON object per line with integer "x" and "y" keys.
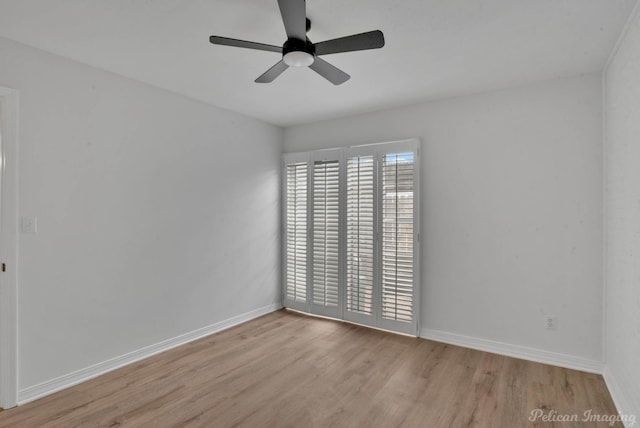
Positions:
{"x": 434, "y": 48}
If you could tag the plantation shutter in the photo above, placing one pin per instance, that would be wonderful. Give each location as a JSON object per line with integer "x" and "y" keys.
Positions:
{"x": 296, "y": 234}
{"x": 360, "y": 236}
{"x": 397, "y": 279}
{"x": 326, "y": 237}
{"x": 351, "y": 234}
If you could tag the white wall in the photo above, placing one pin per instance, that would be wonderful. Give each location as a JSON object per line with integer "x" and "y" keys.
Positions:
{"x": 622, "y": 107}
{"x": 157, "y": 215}
{"x": 511, "y": 212}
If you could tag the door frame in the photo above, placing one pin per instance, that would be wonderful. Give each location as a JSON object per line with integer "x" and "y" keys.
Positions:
{"x": 9, "y": 248}
{"x": 376, "y": 151}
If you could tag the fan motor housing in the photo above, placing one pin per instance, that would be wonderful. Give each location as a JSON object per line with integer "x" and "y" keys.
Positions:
{"x": 296, "y": 53}
{"x": 296, "y": 45}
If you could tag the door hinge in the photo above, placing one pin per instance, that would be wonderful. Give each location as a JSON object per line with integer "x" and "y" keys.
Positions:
{"x": 4, "y": 267}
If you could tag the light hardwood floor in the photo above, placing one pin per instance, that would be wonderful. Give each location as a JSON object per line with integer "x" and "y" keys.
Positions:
{"x": 290, "y": 370}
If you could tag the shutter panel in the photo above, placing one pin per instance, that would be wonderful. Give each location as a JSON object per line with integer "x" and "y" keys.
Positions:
{"x": 360, "y": 234}
{"x": 397, "y": 236}
{"x": 296, "y": 232}
{"x": 326, "y": 205}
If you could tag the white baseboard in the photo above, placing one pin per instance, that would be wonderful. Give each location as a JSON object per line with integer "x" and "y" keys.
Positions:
{"x": 622, "y": 399}
{"x": 49, "y": 387}
{"x": 516, "y": 351}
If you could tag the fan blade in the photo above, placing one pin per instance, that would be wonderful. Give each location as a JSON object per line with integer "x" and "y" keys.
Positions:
{"x": 329, "y": 72}
{"x": 217, "y": 40}
{"x": 294, "y": 16}
{"x": 275, "y": 71}
{"x": 357, "y": 42}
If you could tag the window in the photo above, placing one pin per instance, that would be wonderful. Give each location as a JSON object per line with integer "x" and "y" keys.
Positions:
{"x": 397, "y": 236}
{"x": 296, "y": 230}
{"x": 360, "y": 234}
{"x": 351, "y": 234}
{"x": 325, "y": 278}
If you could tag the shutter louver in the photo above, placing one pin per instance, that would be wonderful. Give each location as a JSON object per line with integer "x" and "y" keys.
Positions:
{"x": 360, "y": 234}
{"x": 296, "y": 225}
{"x": 397, "y": 236}
{"x": 326, "y": 262}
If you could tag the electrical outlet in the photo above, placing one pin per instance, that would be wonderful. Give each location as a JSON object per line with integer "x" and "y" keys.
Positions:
{"x": 550, "y": 322}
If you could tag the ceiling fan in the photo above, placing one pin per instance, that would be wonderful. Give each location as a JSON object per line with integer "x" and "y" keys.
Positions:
{"x": 298, "y": 51}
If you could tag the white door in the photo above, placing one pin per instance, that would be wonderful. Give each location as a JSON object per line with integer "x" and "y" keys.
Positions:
{"x": 295, "y": 232}
{"x": 8, "y": 257}
{"x": 360, "y": 237}
{"x": 351, "y": 235}
{"x": 382, "y": 236}
{"x": 325, "y": 260}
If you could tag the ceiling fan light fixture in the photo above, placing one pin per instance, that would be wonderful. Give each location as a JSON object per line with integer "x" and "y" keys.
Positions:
{"x": 299, "y": 51}
{"x": 298, "y": 59}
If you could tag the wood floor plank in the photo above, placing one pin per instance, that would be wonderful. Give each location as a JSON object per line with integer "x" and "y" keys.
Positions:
{"x": 290, "y": 370}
